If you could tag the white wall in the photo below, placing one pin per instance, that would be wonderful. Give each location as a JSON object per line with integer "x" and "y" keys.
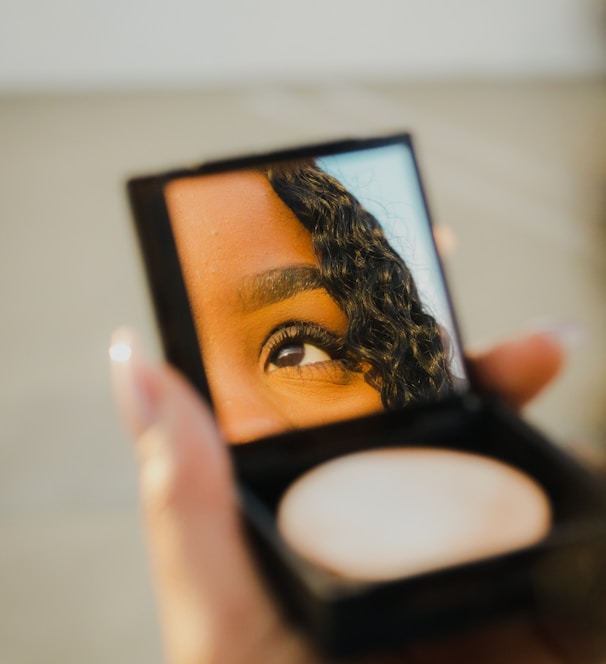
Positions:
{"x": 92, "y": 44}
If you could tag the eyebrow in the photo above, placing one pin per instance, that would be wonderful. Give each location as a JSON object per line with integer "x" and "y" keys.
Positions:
{"x": 277, "y": 285}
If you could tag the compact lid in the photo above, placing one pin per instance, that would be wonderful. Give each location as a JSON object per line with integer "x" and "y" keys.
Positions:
{"x": 301, "y": 287}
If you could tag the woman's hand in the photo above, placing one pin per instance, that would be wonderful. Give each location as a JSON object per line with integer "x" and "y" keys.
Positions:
{"x": 213, "y": 606}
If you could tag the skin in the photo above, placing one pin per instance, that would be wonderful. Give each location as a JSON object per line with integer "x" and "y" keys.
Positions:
{"x": 269, "y": 332}
{"x": 213, "y": 607}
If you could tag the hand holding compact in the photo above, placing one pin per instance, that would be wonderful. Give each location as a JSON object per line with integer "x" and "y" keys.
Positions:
{"x": 213, "y": 606}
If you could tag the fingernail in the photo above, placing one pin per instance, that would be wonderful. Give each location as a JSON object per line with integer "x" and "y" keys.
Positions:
{"x": 567, "y": 332}
{"x": 446, "y": 240}
{"x": 132, "y": 380}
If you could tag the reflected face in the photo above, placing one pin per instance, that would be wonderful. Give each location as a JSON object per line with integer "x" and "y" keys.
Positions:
{"x": 271, "y": 336}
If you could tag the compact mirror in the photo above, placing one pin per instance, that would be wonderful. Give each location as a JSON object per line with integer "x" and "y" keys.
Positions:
{"x": 314, "y": 286}
{"x": 301, "y": 291}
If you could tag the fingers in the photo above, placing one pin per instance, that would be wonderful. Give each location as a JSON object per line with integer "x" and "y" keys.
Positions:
{"x": 134, "y": 384}
{"x": 518, "y": 370}
{"x": 206, "y": 586}
{"x": 212, "y": 605}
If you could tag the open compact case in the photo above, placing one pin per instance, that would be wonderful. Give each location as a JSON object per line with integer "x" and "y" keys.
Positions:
{"x": 386, "y": 499}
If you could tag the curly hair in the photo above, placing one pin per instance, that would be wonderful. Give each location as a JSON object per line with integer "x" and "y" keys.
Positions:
{"x": 393, "y": 340}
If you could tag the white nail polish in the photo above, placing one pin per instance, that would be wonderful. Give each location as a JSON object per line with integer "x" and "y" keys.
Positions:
{"x": 120, "y": 352}
{"x": 129, "y": 374}
{"x": 568, "y": 332}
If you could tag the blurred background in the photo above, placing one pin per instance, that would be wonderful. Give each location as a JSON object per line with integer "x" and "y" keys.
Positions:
{"x": 508, "y": 105}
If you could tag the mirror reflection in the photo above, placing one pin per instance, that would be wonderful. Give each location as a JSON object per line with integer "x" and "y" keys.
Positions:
{"x": 315, "y": 289}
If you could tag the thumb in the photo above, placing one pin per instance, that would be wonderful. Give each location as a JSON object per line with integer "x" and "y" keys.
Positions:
{"x": 205, "y": 581}
{"x": 518, "y": 369}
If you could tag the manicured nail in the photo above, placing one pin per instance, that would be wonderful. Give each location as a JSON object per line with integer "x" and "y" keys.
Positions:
{"x": 567, "y": 332}
{"x": 132, "y": 381}
{"x": 446, "y": 240}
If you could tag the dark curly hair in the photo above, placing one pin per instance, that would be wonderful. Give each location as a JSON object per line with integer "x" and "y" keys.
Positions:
{"x": 392, "y": 339}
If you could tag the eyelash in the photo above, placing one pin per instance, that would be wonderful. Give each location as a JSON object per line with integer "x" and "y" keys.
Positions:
{"x": 303, "y": 332}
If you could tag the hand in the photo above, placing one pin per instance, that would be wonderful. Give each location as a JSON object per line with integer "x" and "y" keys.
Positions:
{"x": 213, "y": 606}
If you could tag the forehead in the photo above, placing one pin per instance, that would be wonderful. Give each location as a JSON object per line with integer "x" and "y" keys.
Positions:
{"x": 231, "y": 225}
{"x": 213, "y": 200}
{"x": 209, "y": 199}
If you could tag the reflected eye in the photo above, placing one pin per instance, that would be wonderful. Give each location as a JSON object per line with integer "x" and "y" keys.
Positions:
{"x": 296, "y": 355}
{"x": 297, "y": 343}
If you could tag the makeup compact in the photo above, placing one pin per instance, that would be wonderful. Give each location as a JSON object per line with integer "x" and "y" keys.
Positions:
{"x": 386, "y": 499}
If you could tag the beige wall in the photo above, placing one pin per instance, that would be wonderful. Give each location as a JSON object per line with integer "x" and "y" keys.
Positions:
{"x": 91, "y": 45}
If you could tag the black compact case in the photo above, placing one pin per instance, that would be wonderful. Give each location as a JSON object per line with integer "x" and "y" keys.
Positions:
{"x": 559, "y": 583}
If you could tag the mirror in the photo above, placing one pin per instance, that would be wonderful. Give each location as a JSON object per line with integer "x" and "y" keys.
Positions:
{"x": 315, "y": 288}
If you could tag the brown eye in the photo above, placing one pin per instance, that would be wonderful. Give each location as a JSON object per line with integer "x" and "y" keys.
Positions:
{"x": 295, "y": 344}
{"x": 296, "y": 354}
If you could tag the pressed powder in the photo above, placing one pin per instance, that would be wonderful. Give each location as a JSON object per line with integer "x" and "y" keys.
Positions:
{"x": 387, "y": 513}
